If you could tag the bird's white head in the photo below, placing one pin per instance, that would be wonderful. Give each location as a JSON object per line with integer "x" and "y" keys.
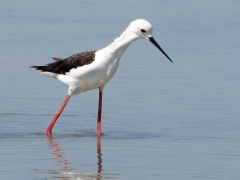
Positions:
{"x": 141, "y": 27}
{"x": 137, "y": 29}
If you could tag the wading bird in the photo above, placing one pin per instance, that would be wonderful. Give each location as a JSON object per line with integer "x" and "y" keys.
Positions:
{"x": 93, "y": 69}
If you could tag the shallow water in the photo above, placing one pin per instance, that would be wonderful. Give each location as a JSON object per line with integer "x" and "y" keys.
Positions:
{"x": 160, "y": 120}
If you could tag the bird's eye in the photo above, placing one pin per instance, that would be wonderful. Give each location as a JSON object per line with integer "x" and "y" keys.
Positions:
{"x": 143, "y": 30}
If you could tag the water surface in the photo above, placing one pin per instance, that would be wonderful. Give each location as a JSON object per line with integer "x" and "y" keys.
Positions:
{"x": 160, "y": 120}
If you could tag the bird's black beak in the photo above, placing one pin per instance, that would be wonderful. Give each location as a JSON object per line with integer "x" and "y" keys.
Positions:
{"x": 152, "y": 40}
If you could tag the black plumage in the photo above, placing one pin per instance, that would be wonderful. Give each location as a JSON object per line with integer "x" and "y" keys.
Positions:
{"x": 62, "y": 66}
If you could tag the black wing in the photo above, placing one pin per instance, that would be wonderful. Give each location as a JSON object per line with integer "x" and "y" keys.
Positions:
{"x": 62, "y": 66}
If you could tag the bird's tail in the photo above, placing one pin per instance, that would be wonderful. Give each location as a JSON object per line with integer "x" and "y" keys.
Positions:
{"x": 51, "y": 67}
{"x": 39, "y": 67}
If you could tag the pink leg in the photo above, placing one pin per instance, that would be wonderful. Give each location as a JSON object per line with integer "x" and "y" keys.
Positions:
{"x": 55, "y": 118}
{"x": 98, "y": 131}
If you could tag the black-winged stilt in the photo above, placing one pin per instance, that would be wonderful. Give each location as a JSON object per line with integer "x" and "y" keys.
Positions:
{"x": 93, "y": 69}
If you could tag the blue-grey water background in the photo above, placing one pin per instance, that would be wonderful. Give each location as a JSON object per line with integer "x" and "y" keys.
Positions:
{"x": 160, "y": 120}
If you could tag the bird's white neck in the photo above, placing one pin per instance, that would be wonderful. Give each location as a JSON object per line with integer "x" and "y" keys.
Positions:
{"x": 120, "y": 44}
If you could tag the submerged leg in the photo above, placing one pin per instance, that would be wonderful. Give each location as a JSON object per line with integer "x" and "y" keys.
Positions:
{"x": 55, "y": 118}
{"x": 98, "y": 130}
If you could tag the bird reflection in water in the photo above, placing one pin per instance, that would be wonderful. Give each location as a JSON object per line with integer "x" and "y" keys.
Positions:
{"x": 59, "y": 154}
{"x": 66, "y": 172}
{"x": 99, "y": 155}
